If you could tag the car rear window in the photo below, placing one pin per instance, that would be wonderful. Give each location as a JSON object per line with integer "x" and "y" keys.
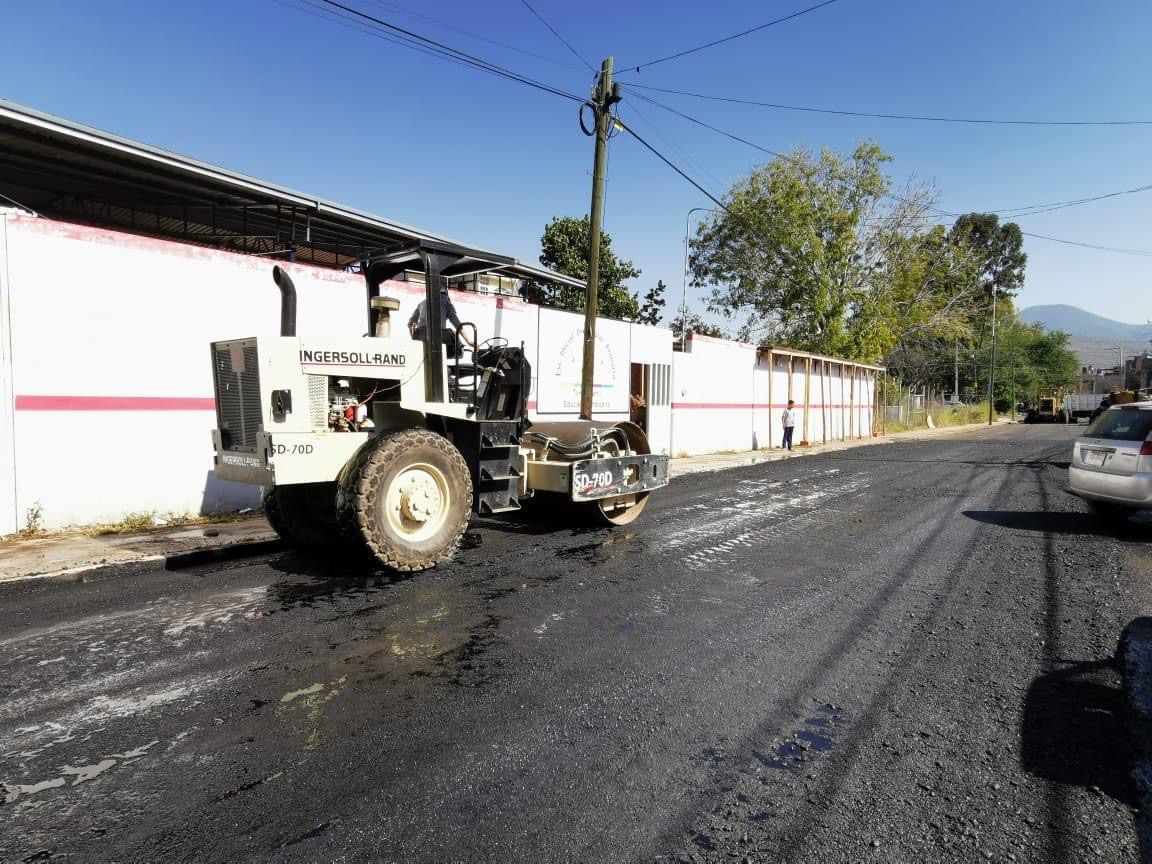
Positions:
{"x": 1122, "y": 424}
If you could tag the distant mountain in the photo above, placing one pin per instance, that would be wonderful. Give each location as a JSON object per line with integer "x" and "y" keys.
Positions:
{"x": 1095, "y": 339}
{"x": 1077, "y": 322}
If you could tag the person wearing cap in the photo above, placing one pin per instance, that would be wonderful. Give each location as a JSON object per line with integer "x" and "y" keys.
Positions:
{"x": 788, "y": 419}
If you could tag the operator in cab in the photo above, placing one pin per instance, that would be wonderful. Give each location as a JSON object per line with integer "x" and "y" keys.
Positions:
{"x": 418, "y": 323}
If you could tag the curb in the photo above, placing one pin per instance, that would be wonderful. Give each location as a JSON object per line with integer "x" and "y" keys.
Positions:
{"x": 228, "y": 552}
{"x": 175, "y": 561}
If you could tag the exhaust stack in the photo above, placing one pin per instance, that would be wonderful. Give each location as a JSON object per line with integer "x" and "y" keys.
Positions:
{"x": 287, "y": 301}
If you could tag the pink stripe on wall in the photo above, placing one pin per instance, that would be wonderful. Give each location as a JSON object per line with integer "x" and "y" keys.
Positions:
{"x": 115, "y": 403}
{"x": 749, "y": 406}
{"x": 123, "y": 403}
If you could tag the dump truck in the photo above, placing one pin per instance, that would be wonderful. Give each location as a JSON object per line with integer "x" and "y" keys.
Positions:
{"x": 391, "y": 444}
{"x": 1078, "y": 406}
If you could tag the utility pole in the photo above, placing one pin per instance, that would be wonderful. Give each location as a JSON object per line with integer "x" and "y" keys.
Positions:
{"x": 956, "y": 376}
{"x": 604, "y": 97}
{"x": 992, "y": 360}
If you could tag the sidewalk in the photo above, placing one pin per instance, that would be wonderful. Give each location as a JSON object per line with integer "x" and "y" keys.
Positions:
{"x": 71, "y": 555}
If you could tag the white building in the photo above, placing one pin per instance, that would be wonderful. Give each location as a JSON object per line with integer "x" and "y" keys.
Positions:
{"x": 120, "y": 263}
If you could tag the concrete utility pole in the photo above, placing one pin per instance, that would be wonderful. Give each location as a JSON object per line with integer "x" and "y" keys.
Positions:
{"x": 992, "y": 361}
{"x": 956, "y": 376}
{"x": 602, "y": 101}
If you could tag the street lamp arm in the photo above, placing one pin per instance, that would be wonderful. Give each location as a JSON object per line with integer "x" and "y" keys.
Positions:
{"x": 684, "y": 286}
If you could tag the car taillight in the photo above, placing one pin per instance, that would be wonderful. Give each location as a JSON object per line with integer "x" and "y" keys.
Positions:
{"x": 1146, "y": 449}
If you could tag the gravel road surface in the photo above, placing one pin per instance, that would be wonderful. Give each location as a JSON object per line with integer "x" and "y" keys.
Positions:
{"x": 894, "y": 653}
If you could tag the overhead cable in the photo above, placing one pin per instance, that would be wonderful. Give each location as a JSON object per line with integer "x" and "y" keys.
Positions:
{"x": 414, "y": 39}
{"x": 887, "y": 116}
{"x": 403, "y": 10}
{"x": 671, "y": 165}
{"x": 721, "y": 41}
{"x": 936, "y": 210}
{"x": 556, "y": 33}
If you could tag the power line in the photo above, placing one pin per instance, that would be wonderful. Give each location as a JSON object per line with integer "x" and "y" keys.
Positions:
{"x": 556, "y": 33}
{"x": 892, "y": 196}
{"x": 709, "y": 126}
{"x": 1144, "y": 252}
{"x": 716, "y": 42}
{"x": 696, "y": 165}
{"x": 420, "y": 16}
{"x": 1060, "y": 205}
{"x": 672, "y": 165}
{"x": 335, "y": 17}
{"x": 415, "y": 40}
{"x": 884, "y": 116}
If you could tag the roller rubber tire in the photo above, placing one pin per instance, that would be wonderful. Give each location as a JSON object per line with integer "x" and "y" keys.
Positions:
{"x": 304, "y": 515}
{"x": 379, "y": 472}
{"x": 617, "y": 517}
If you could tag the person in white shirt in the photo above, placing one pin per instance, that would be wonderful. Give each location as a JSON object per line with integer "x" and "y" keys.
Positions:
{"x": 788, "y": 418}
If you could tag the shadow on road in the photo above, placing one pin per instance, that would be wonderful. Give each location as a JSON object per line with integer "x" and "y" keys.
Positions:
{"x": 1135, "y": 529}
{"x": 545, "y": 514}
{"x": 324, "y": 580}
{"x": 1074, "y": 730}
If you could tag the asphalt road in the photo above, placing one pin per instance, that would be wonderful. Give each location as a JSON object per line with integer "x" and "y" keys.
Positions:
{"x": 894, "y": 653}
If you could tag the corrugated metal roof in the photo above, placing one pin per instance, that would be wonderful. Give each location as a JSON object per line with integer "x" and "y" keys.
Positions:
{"x": 68, "y": 171}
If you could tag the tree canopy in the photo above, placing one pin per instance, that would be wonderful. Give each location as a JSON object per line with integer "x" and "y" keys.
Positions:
{"x": 998, "y": 249}
{"x": 816, "y": 252}
{"x": 564, "y": 248}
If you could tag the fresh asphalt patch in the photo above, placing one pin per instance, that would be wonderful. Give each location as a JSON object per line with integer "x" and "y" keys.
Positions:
{"x": 839, "y": 658}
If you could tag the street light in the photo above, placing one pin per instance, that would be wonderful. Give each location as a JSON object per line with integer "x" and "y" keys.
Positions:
{"x": 684, "y": 287}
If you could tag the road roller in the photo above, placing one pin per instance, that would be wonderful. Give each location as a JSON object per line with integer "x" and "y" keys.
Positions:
{"x": 391, "y": 443}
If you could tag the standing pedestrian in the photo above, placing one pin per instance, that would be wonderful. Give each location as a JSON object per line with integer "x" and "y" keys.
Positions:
{"x": 788, "y": 418}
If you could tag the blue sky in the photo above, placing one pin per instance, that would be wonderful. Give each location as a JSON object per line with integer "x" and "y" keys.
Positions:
{"x": 269, "y": 88}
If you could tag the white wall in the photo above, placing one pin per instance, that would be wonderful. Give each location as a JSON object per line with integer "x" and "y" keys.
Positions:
{"x": 111, "y": 370}
{"x": 106, "y": 401}
{"x": 727, "y": 397}
{"x": 10, "y": 517}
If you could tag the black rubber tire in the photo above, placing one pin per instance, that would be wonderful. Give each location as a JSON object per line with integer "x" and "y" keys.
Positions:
{"x": 361, "y": 501}
{"x": 304, "y": 515}
{"x": 1110, "y": 511}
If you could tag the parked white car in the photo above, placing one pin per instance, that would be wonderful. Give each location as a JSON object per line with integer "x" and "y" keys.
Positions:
{"x": 1111, "y": 464}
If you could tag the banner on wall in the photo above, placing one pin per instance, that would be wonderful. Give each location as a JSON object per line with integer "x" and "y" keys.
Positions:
{"x": 562, "y": 356}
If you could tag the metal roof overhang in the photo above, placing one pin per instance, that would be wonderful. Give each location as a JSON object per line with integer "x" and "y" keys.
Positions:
{"x": 74, "y": 173}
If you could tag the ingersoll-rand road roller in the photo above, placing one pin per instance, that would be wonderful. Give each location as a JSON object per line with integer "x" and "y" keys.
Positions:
{"x": 392, "y": 442}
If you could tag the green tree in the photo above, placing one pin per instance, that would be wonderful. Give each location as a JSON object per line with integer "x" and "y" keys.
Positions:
{"x": 1031, "y": 361}
{"x": 651, "y": 306}
{"x": 564, "y": 248}
{"x": 998, "y": 249}
{"x": 814, "y": 252}
{"x": 784, "y": 249}
{"x": 692, "y": 323}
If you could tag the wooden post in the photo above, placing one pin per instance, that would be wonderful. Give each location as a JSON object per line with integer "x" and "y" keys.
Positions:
{"x": 807, "y": 397}
{"x": 771, "y": 407}
{"x": 852, "y": 403}
{"x": 823, "y": 401}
